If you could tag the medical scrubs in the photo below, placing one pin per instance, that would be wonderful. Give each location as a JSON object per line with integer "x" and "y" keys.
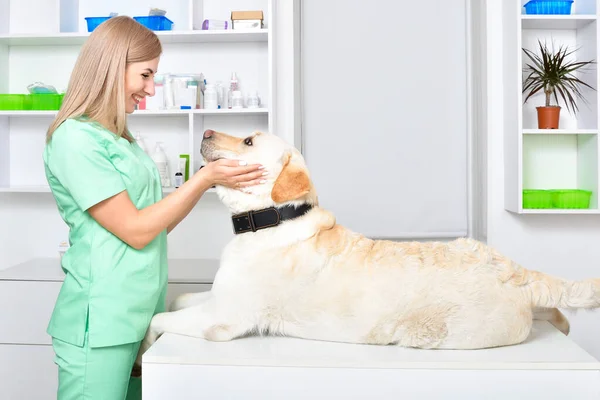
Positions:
{"x": 111, "y": 290}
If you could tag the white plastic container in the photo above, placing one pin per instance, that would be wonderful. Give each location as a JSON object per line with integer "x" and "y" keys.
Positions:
{"x": 162, "y": 163}
{"x": 237, "y": 101}
{"x": 233, "y": 86}
{"x": 211, "y": 98}
{"x": 221, "y": 95}
{"x": 252, "y": 100}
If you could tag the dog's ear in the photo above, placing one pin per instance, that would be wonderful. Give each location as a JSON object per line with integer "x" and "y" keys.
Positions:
{"x": 291, "y": 184}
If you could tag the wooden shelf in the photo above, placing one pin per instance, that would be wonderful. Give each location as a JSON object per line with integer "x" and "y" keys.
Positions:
{"x": 77, "y": 38}
{"x": 556, "y": 21}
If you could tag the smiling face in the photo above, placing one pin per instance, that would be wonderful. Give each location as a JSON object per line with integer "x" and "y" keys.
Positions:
{"x": 139, "y": 82}
{"x": 288, "y": 180}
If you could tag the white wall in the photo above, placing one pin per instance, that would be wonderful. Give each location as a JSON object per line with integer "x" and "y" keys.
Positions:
{"x": 562, "y": 245}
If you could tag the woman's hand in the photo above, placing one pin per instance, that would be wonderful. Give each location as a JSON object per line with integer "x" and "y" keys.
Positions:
{"x": 233, "y": 173}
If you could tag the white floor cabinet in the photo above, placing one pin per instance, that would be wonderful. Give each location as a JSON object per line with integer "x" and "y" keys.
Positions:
{"x": 27, "y": 294}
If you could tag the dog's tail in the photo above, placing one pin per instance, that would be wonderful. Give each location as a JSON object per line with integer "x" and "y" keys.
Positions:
{"x": 547, "y": 291}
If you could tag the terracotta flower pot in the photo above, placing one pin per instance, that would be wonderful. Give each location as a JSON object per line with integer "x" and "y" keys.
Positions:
{"x": 548, "y": 117}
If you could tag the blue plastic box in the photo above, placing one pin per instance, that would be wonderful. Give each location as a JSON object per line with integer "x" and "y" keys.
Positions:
{"x": 155, "y": 22}
{"x": 548, "y": 7}
{"x": 93, "y": 22}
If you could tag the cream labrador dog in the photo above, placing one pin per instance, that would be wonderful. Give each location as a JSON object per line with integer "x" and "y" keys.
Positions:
{"x": 291, "y": 270}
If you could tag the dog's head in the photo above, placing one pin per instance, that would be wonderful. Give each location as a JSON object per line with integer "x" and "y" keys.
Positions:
{"x": 287, "y": 182}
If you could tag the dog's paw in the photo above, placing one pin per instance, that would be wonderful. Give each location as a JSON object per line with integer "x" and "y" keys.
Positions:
{"x": 181, "y": 302}
{"x": 218, "y": 333}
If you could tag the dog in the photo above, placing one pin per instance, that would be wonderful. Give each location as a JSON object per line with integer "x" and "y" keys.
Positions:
{"x": 291, "y": 270}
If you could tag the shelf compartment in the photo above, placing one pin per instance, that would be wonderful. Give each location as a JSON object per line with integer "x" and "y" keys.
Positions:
{"x": 559, "y": 161}
{"x": 556, "y": 21}
{"x": 583, "y": 40}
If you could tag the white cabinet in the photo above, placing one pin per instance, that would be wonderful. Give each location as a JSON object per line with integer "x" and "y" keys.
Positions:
{"x": 28, "y": 292}
{"x": 549, "y": 159}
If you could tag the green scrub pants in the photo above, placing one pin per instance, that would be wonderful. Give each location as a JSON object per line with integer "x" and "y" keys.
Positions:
{"x": 96, "y": 373}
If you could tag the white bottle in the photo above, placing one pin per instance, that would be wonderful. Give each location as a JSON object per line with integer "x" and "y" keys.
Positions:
{"x": 233, "y": 86}
{"x": 220, "y": 95}
{"x": 140, "y": 142}
{"x": 160, "y": 159}
{"x": 252, "y": 100}
{"x": 237, "y": 100}
{"x": 211, "y": 101}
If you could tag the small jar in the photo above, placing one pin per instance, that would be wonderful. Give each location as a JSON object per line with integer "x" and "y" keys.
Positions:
{"x": 236, "y": 100}
{"x": 252, "y": 100}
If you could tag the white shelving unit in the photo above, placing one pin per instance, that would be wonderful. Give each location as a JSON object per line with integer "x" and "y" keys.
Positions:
{"x": 565, "y": 158}
{"x": 57, "y": 39}
{"x": 44, "y": 47}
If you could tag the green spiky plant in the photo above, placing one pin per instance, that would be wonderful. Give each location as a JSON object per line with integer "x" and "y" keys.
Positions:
{"x": 553, "y": 72}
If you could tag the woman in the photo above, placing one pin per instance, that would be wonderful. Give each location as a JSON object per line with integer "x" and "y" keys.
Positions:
{"x": 108, "y": 192}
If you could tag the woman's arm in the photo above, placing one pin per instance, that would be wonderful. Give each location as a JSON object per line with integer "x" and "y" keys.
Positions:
{"x": 137, "y": 228}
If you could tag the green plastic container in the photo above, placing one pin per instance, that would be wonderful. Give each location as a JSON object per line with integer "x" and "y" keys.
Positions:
{"x": 537, "y": 198}
{"x": 571, "y": 198}
{"x": 14, "y": 102}
{"x": 45, "y": 101}
{"x": 30, "y": 101}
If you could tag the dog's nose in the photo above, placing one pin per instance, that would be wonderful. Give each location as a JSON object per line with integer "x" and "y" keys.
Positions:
{"x": 208, "y": 133}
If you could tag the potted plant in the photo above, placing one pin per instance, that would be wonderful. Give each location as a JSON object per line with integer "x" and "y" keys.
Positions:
{"x": 553, "y": 73}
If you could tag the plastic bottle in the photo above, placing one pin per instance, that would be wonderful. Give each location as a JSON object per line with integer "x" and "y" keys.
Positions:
{"x": 140, "y": 142}
{"x": 237, "y": 100}
{"x": 211, "y": 101}
{"x": 178, "y": 176}
{"x": 160, "y": 159}
{"x": 220, "y": 95}
{"x": 233, "y": 86}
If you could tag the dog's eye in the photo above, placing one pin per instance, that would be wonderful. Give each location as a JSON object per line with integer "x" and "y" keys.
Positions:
{"x": 248, "y": 141}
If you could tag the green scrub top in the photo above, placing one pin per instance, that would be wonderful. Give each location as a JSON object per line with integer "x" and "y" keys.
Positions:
{"x": 110, "y": 288}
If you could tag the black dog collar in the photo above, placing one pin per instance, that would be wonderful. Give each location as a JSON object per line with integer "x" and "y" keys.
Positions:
{"x": 252, "y": 221}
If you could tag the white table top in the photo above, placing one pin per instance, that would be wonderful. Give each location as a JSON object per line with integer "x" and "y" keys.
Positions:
{"x": 546, "y": 348}
{"x": 49, "y": 270}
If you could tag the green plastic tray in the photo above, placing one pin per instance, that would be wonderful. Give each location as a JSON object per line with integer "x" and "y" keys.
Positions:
{"x": 14, "y": 102}
{"x": 571, "y": 198}
{"x": 536, "y": 198}
{"x": 556, "y": 198}
{"x": 30, "y": 101}
{"x": 46, "y": 101}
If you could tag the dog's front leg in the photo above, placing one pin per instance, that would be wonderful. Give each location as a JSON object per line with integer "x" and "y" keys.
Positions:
{"x": 206, "y": 321}
{"x": 187, "y": 300}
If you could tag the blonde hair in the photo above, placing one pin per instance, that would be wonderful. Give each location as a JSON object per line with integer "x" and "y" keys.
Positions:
{"x": 97, "y": 84}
